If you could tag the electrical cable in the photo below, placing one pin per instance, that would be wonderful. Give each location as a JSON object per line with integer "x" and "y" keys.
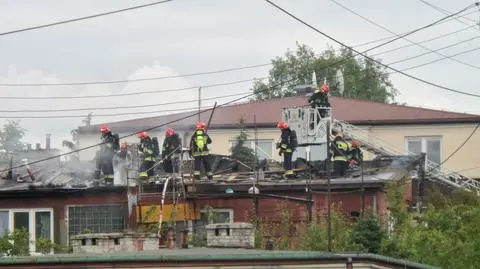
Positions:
{"x": 224, "y": 104}
{"x": 121, "y": 107}
{"x": 444, "y": 11}
{"x": 457, "y": 149}
{"x": 101, "y": 115}
{"x": 367, "y": 57}
{"x": 392, "y": 32}
{"x": 389, "y": 37}
{"x": 139, "y": 79}
{"x": 83, "y": 18}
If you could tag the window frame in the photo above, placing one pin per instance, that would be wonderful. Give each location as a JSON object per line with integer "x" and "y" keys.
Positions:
{"x": 252, "y": 145}
{"x": 31, "y": 224}
{"x": 67, "y": 215}
{"x": 423, "y": 144}
{"x": 230, "y": 212}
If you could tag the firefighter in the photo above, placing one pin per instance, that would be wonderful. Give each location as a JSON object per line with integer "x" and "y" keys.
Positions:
{"x": 340, "y": 150}
{"x": 148, "y": 151}
{"x": 319, "y": 99}
{"x": 355, "y": 154}
{"x": 104, "y": 158}
{"x": 171, "y": 151}
{"x": 199, "y": 150}
{"x": 288, "y": 143}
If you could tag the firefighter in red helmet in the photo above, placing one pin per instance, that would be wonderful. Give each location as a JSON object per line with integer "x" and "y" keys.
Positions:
{"x": 171, "y": 149}
{"x": 355, "y": 154}
{"x": 288, "y": 143}
{"x": 319, "y": 99}
{"x": 149, "y": 151}
{"x": 199, "y": 150}
{"x": 104, "y": 157}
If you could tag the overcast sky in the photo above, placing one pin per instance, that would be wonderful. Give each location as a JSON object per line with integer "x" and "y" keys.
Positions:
{"x": 187, "y": 36}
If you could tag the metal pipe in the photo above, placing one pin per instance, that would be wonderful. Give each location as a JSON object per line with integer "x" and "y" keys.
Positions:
{"x": 329, "y": 200}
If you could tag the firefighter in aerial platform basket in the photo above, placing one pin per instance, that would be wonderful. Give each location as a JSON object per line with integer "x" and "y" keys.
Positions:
{"x": 287, "y": 145}
{"x": 199, "y": 151}
{"x": 355, "y": 154}
{"x": 319, "y": 99}
{"x": 110, "y": 144}
{"x": 171, "y": 151}
{"x": 149, "y": 149}
{"x": 340, "y": 150}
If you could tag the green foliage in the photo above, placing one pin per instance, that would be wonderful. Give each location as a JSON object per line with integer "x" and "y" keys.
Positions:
{"x": 239, "y": 151}
{"x": 362, "y": 79}
{"x": 368, "y": 233}
{"x": 11, "y": 136}
{"x": 15, "y": 243}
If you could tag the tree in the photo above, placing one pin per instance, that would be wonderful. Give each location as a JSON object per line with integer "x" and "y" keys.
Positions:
{"x": 11, "y": 136}
{"x": 239, "y": 151}
{"x": 88, "y": 119}
{"x": 362, "y": 78}
{"x": 368, "y": 233}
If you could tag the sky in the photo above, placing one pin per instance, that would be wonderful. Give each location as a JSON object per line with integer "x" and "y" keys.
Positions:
{"x": 187, "y": 36}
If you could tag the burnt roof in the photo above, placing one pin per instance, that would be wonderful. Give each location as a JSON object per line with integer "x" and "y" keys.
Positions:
{"x": 268, "y": 112}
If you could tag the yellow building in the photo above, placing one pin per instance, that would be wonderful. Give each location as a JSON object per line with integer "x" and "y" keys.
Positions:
{"x": 437, "y": 133}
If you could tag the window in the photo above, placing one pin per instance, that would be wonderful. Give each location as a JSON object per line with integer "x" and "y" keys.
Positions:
{"x": 429, "y": 145}
{"x": 4, "y": 219}
{"x": 38, "y": 222}
{"x": 95, "y": 219}
{"x": 264, "y": 148}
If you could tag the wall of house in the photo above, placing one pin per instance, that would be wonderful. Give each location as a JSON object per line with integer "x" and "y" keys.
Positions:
{"x": 451, "y": 137}
{"x": 60, "y": 206}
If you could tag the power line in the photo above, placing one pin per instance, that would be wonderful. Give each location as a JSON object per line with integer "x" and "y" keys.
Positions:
{"x": 389, "y": 37}
{"x": 199, "y": 112}
{"x": 82, "y": 18}
{"x": 120, "y": 107}
{"x": 413, "y": 42}
{"x": 458, "y": 148}
{"x": 100, "y": 115}
{"x": 369, "y": 58}
{"x": 444, "y": 11}
{"x": 128, "y": 94}
{"x": 139, "y": 79}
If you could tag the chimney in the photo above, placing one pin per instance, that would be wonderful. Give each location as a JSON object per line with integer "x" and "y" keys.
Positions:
{"x": 38, "y": 147}
{"x": 47, "y": 141}
{"x": 29, "y": 146}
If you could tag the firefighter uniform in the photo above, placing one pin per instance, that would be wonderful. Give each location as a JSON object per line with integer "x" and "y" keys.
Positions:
{"x": 199, "y": 151}
{"x": 287, "y": 145}
{"x": 104, "y": 158}
{"x": 319, "y": 99}
{"x": 171, "y": 151}
{"x": 355, "y": 154}
{"x": 147, "y": 149}
{"x": 340, "y": 150}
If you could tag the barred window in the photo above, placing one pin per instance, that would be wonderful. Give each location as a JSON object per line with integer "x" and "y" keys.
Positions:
{"x": 95, "y": 219}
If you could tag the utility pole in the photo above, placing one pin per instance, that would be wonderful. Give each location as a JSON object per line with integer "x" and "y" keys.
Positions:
{"x": 255, "y": 185}
{"x": 363, "y": 191}
{"x": 199, "y": 102}
{"x": 420, "y": 181}
{"x": 329, "y": 199}
{"x": 308, "y": 186}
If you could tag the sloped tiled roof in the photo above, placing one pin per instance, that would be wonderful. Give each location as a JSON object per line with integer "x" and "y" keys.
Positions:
{"x": 269, "y": 112}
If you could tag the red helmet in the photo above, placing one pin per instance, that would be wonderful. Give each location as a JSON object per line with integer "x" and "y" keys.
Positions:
{"x": 355, "y": 143}
{"x": 105, "y": 130}
{"x": 201, "y": 126}
{"x": 142, "y": 135}
{"x": 325, "y": 88}
{"x": 123, "y": 146}
{"x": 282, "y": 125}
{"x": 170, "y": 132}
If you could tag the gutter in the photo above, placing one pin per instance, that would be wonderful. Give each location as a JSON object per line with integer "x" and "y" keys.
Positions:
{"x": 185, "y": 260}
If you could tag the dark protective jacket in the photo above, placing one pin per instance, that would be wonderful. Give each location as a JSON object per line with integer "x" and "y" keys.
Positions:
{"x": 356, "y": 155}
{"x": 319, "y": 99}
{"x": 171, "y": 145}
{"x": 147, "y": 148}
{"x": 107, "y": 149}
{"x": 199, "y": 142}
{"x": 288, "y": 141}
{"x": 340, "y": 149}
